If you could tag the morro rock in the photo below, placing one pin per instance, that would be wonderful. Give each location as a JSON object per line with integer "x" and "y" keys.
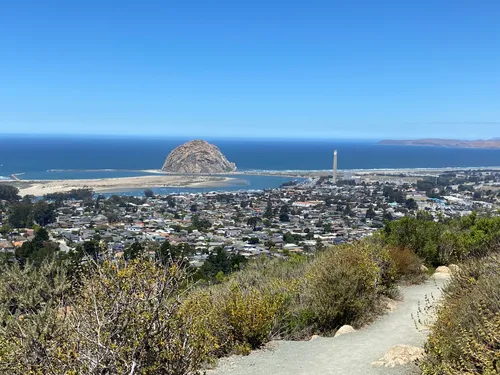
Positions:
{"x": 197, "y": 157}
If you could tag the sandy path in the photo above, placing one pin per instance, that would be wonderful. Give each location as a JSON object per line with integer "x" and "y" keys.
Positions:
{"x": 350, "y": 354}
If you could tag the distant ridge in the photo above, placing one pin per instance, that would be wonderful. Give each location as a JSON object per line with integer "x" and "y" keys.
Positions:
{"x": 455, "y": 143}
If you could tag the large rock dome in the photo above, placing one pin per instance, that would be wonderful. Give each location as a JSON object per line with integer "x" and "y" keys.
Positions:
{"x": 197, "y": 157}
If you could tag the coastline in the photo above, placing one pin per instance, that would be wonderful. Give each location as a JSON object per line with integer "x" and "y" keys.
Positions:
{"x": 160, "y": 179}
{"x": 117, "y": 184}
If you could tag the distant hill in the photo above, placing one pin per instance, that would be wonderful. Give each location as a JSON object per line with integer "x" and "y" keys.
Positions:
{"x": 456, "y": 143}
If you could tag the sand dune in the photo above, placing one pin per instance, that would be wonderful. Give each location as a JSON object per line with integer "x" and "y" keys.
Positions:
{"x": 102, "y": 185}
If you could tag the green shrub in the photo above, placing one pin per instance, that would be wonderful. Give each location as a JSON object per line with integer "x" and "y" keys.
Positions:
{"x": 407, "y": 265}
{"x": 343, "y": 285}
{"x": 465, "y": 339}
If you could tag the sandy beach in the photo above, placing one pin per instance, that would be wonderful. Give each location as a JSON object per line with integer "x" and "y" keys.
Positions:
{"x": 106, "y": 185}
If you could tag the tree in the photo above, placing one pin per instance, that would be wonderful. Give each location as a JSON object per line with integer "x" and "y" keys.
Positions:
{"x": 387, "y": 216}
{"x": 253, "y": 241}
{"x": 268, "y": 214}
{"x": 91, "y": 249}
{"x": 38, "y": 250}
{"x": 347, "y": 210}
{"x": 171, "y": 202}
{"x": 44, "y": 213}
{"x": 148, "y": 193}
{"x": 370, "y": 213}
{"x": 219, "y": 260}
{"x": 169, "y": 253}
{"x": 411, "y": 204}
{"x": 133, "y": 251}
{"x": 284, "y": 217}
{"x": 253, "y": 221}
{"x": 21, "y": 215}
{"x": 200, "y": 223}
{"x": 9, "y": 193}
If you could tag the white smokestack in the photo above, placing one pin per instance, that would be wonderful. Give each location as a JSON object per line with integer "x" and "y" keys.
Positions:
{"x": 335, "y": 166}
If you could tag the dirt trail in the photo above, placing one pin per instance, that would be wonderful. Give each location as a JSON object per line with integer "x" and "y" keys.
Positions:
{"x": 350, "y": 354}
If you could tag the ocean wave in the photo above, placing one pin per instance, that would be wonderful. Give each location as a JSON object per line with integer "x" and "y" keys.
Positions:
{"x": 6, "y": 178}
{"x": 87, "y": 170}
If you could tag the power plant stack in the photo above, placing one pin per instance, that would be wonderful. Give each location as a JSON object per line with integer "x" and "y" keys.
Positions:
{"x": 334, "y": 179}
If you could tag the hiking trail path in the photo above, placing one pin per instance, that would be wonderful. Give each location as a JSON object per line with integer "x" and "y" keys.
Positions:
{"x": 352, "y": 353}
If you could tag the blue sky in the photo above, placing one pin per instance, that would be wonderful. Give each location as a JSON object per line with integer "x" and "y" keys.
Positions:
{"x": 315, "y": 69}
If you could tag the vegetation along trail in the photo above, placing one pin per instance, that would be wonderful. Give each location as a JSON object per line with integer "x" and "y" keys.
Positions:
{"x": 353, "y": 353}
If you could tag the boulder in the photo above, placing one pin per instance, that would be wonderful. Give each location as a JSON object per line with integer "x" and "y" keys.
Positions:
{"x": 424, "y": 269}
{"x": 400, "y": 355}
{"x": 197, "y": 157}
{"x": 344, "y": 330}
{"x": 443, "y": 269}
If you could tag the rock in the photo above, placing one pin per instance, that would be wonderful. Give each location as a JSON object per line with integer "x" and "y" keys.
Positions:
{"x": 344, "y": 330}
{"x": 424, "y": 269}
{"x": 454, "y": 268}
{"x": 313, "y": 337}
{"x": 442, "y": 272}
{"x": 443, "y": 269}
{"x": 197, "y": 157}
{"x": 400, "y": 355}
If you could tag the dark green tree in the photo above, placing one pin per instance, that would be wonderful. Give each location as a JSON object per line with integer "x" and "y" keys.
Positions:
{"x": 9, "y": 193}
{"x": 21, "y": 215}
{"x": 133, "y": 251}
{"x": 411, "y": 204}
{"x": 44, "y": 213}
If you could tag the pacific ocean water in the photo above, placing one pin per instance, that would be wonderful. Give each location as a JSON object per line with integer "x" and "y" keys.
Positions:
{"x": 68, "y": 157}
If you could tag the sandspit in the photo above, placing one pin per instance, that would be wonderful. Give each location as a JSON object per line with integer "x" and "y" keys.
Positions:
{"x": 106, "y": 185}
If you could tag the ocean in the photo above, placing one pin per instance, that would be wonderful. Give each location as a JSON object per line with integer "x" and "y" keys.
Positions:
{"x": 64, "y": 157}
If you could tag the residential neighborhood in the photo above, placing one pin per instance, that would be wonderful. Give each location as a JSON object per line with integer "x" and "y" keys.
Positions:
{"x": 299, "y": 217}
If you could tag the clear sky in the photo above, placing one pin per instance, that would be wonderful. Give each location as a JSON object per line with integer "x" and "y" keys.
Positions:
{"x": 318, "y": 69}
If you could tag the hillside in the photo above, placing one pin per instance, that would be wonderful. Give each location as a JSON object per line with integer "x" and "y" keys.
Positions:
{"x": 456, "y": 143}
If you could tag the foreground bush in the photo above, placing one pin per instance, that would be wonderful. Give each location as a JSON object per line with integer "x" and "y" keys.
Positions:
{"x": 407, "y": 265}
{"x": 344, "y": 283}
{"x": 142, "y": 317}
{"x": 125, "y": 319}
{"x": 466, "y": 336}
{"x": 31, "y": 331}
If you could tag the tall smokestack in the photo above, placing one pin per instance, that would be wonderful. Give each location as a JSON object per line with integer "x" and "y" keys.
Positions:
{"x": 335, "y": 166}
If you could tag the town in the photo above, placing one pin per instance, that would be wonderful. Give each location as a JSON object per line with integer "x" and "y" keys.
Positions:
{"x": 299, "y": 217}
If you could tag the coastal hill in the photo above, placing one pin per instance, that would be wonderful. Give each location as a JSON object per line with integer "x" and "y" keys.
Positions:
{"x": 197, "y": 156}
{"x": 456, "y": 143}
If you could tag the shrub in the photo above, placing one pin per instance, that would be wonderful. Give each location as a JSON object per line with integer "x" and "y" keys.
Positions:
{"x": 465, "y": 339}
{"x": 125, "y": 318}
{"x": 407, "y": 265}
{"x": 254, "y": 314}
{"x": 343, "y": 284}
{"x": 31, "y": 334}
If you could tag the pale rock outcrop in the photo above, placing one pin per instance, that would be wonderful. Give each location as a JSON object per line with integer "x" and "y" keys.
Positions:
{"x": 197, "y": 157}
{"x": 442, "y": 272}
{"x": 400, "y": 355}
{"x": 443, "y": 269}
{"x": 344, "y": 330}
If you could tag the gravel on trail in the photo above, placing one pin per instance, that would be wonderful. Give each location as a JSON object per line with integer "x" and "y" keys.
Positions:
{"x": 349, "y": 354}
